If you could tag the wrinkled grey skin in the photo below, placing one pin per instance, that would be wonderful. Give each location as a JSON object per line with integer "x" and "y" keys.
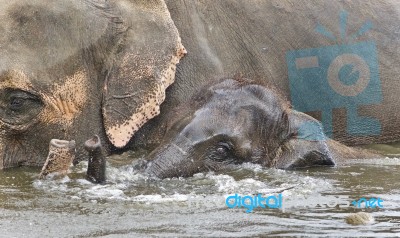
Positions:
{"x": 234, "y": 122}
{"x": 252, "y": 37}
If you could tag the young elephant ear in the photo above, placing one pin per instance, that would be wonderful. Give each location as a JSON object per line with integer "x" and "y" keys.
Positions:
{"x": 306, "y": 146}
{"x": 144, "y": 66}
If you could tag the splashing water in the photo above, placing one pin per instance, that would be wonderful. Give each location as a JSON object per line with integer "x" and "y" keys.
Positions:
{"x": 131, "y": 204}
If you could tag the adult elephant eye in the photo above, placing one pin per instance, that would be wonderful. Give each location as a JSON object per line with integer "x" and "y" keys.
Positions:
{"x": 18, "y": 107}
{"x": 16, "y": 103}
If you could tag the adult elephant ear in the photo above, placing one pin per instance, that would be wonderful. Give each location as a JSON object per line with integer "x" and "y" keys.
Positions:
{"x": 144, "y": 66}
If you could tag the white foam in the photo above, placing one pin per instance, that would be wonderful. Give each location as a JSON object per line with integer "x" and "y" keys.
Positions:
{"x": 383, "y": 161}
{"x": 104, "y": 192}
{"x": 158, "y": 198}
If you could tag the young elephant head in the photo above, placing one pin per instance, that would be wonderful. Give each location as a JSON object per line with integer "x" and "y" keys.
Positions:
{"x": 234, "y": 122}
{"x": 71, "y": 69}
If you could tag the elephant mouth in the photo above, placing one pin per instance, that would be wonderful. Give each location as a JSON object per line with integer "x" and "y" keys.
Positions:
{"x": 313, "y": 159}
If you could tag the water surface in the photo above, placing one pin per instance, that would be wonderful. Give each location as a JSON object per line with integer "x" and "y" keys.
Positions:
{"x": 132, "y": 205}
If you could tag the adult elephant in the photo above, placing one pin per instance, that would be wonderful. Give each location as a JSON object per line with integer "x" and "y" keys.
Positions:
{"x": 70, "y": 69}
{"x": 336, "y": 60}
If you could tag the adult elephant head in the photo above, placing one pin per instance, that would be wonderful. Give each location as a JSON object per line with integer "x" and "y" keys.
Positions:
{"x": 69, "y": 69}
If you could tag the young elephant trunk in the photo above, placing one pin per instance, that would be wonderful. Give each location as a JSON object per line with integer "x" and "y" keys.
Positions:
{"x": 96, "y": 172}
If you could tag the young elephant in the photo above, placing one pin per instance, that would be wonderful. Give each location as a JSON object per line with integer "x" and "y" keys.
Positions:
{"x": 236, "y": 121}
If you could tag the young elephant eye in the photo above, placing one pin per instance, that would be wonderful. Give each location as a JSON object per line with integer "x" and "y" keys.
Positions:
{"x": 223, "y": 149}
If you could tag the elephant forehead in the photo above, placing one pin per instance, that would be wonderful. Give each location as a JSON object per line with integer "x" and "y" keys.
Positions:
{"x": 237, "y": 113}
{"x": 67, "y": 99}
{"x": 208, "y": 123}
{"x": 44, "y": 33}
{"x": 42, "y": 42}
{"x": 15, "y": 79}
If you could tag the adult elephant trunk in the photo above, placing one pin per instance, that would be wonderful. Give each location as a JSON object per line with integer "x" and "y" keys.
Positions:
{"x": 96, "y": 172}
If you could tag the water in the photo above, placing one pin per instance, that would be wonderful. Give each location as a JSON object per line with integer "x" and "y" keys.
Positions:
{"x": 131, "y": 205}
